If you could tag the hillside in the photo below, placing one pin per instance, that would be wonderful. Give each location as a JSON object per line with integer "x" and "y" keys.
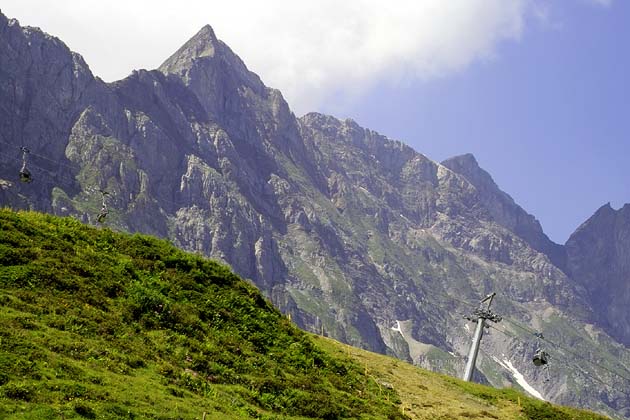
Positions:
{"x": 102, "y": 325}
{"x": 97, "y": 324}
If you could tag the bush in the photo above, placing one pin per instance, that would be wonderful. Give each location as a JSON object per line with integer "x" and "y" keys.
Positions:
{"x": 22, "y": 392}
{"x": 543, "y": 411}
{"x": 84, "y": 410}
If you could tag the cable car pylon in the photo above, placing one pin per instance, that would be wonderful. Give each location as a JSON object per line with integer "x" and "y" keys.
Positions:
{"x": 104, "y": 210}
{"x": 25, "y": 174}
{"x": 480, "y": 315}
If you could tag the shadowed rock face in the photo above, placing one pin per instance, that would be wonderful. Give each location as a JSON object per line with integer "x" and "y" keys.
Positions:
{"x": 43, "y": 87}
{"x": 348, "y": 231}
{"x": 599, "y": 260}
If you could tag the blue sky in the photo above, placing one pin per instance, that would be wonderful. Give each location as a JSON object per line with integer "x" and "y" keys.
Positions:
{"x": 537, "y": 90}
{"x": 548, "y": 116}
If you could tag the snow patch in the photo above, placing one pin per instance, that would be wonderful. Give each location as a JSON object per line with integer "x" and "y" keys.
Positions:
{"x": 398, "y": 328}
{"x": 520, "y": 379}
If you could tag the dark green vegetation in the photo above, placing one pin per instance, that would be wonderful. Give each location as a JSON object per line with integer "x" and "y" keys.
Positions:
{"x": 97, "y": 324}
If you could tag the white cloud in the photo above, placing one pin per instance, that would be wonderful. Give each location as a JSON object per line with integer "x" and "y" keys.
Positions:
{"x": 311, "y": 51}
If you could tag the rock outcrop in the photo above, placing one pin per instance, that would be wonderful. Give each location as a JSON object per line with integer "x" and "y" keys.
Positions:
{"x": 504, "y": 210}
{"x": 599, "y": 260}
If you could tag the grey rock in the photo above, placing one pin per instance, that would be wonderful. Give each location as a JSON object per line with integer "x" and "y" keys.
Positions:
{"x": 599, "y": 260}
{"x": 504, "y": 210}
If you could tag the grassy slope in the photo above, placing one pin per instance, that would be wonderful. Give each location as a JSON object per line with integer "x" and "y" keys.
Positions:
{"x": 428, "y": 395}
{"x": 102, "y": 325}
{"x": 95, "y": 324}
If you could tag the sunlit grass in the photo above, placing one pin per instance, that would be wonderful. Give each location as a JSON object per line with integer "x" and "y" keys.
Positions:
{"x": 95, "y": 324}
{"x": 428, "y": 395}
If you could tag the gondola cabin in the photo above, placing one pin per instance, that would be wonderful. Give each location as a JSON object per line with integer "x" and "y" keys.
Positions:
{"x": 540, "y": 358}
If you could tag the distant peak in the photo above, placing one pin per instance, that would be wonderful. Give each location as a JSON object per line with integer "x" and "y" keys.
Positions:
{"x": 203, "y": 44}
{"x": 468, "y": 166}
{"x": 207, "y": 29}
{"x": 6, "y": 21}
{"x": 606, "y": 208}
{"x": 205, "y": 35}
{"x": 319, "y": 118}
{"x": 467, "y": 159}
{"x": 206, "y": 64}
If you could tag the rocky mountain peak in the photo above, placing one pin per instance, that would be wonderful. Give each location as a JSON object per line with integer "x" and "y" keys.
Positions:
{"x": 599, "y": 260}
{"x": 468, "y": 166}
{"x": 602, "y": 223}
{"x": 6, "y": 21}
{"x": 504, "y": 210}
{"x": 205, "y": 54}
{"x": 203, "y": 44}
{"x": 215, "y": 74}
{"x": 205, "y": 33}
{"x": 607, "y": 208}
{"x": 467, "y": 160}
{"x": 604, "y": 210}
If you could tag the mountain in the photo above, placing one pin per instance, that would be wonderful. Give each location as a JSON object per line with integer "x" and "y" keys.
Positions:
{"x": 97, "y": 324}
{"x": 504, "y": 210}
{"x": 599, "y": 260}
{"x": 351, "y": 233}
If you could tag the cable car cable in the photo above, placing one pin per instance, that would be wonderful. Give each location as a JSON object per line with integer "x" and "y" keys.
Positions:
{"x": 571, "y": 352}
{"x": 534, "y": 333}
{"x": 564, "y": 362}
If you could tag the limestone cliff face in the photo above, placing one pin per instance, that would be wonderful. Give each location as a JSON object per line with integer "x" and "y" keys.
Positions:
{"x": 351, "y": 233}
{"x": 44, "y": 87}
{"x": 371, "y": 176}
{"x": 504, "y": 210}
{"x": 599, "y": 260}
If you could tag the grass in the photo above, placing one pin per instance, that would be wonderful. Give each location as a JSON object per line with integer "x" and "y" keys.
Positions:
{"x": 428, "y": 395}
{"x": 102, "y": 325}
{"x": 96, "y": 324}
